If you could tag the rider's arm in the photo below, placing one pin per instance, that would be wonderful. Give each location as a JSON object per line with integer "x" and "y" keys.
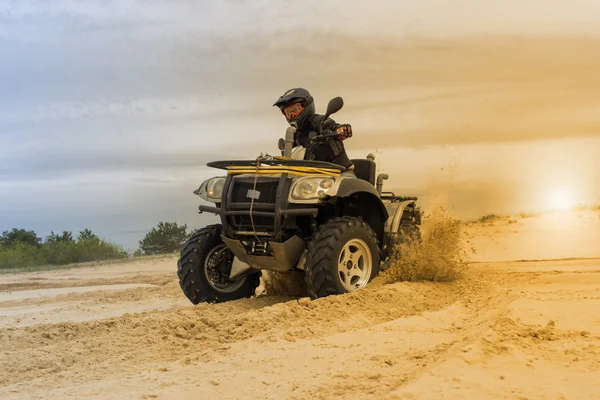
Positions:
{"x": 332, "y": 150}
{"x": 330, "y": 126}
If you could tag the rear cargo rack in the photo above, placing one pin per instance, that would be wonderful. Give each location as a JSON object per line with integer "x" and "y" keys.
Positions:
{"x": 393, "y": 198}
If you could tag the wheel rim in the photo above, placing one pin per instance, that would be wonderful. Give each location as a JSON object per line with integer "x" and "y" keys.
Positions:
{"x": 217, "y": 268}
{"x": 355, "y": 264}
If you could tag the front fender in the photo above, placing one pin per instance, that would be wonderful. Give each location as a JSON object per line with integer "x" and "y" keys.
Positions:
{"x": 366, "y": 203}
{"x": 349, "y": 186}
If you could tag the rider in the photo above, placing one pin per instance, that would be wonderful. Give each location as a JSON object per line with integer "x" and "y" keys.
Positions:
{"x": 298, "y": 107}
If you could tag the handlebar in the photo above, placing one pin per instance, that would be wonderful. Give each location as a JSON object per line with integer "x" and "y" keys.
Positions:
{"x": 329, "y": 134}
{"x": 324, "y": 136}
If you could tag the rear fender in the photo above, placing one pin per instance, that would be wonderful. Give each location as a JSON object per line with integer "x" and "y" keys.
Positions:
{"x": 396, "y": 211}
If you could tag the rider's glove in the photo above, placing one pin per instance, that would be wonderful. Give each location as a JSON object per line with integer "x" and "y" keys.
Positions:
{"x": 344, "y": 132}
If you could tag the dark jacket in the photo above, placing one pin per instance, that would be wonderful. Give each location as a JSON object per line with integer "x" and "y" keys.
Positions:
{"x": 332, "y": 150}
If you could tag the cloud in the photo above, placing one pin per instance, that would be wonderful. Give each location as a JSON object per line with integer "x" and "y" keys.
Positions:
{"x": 34, "y": 21}
{"x": 147, "y": 165}
{"x": 137, "y": 96}
{"x": 150, "y": 107}
{"x": 413, "y": 93}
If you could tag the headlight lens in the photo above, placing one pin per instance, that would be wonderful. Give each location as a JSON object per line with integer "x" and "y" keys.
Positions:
{"x": 211, "y": 189}
{"x": 214, "y": 188}
{"x": 312, "y": 188}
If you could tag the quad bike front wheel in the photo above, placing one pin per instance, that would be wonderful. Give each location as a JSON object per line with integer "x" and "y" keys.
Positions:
{"x": 204, "y": 267}
{"x": 342, "y": 257}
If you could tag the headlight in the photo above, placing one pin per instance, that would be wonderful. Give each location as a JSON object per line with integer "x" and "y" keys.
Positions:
{"x": 312, "y": 188}
{"x": 211, "y": 189}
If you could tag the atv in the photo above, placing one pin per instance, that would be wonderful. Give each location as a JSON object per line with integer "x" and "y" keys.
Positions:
{"x": 284, "y": 213}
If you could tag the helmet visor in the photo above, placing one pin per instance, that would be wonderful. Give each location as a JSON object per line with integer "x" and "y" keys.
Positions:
{"x": 292, "y": 111}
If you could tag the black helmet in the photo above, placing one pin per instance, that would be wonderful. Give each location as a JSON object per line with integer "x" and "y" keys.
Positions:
{"x": 297, "y": 106}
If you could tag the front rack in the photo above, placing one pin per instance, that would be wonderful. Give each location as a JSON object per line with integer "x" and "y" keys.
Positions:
{"x": 275, "y": 162}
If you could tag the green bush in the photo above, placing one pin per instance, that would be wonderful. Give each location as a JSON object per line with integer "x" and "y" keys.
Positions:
{"x": 21, "y": 255}
{"x": 94, "y": 249}
{"x": 15, "y": 235}
{"x": 60, "y": 253}
{"x": 59, "y": 250}
{"x": 65, "y": 237}
{"x": 86, "y": 234}
{"x": 166, "y": 237}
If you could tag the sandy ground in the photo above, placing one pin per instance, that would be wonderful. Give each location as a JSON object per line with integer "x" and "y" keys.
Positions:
{"x": 508, "y": 329}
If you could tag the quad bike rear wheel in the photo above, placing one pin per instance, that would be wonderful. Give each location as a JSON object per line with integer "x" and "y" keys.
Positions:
{"x": 204, "y": 267}
{"x": 407, "y": 234}
{"x": 343, "y": 256}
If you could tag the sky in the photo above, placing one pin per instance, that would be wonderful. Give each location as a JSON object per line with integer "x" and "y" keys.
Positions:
{"x": 109, "y": 111}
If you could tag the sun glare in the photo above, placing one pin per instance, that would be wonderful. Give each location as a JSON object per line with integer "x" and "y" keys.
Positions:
{"x": 560, "y": 198}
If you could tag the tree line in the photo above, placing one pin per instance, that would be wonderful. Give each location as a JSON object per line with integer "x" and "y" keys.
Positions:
{"x": 24, "y": 248}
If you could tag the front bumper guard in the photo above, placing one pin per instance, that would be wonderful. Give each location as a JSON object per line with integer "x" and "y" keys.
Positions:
{"x": 296, "y": 212}
{"x": 285, "y": 255}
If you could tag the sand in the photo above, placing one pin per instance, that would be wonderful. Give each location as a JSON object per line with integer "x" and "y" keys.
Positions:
{"x": 506, "y": 329}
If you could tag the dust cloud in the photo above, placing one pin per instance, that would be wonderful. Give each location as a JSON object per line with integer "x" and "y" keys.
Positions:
{"x": 438, "y": 257}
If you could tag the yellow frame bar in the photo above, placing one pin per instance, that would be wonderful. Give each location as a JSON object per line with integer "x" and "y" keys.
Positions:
{"x": 268, "y": 169}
